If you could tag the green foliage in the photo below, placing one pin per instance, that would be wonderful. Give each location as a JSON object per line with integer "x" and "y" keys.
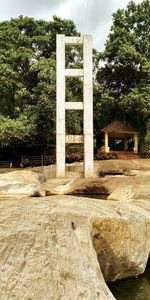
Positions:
{"x": 16, "y": 130}
{"x": 147, "y": 138}
{"x": 127, "y": 51}
{"x": 28, "y": 76}
{"x": 104, "y": 108}
{"x": 136, "y": 105}
{"x": 125, "y": 74}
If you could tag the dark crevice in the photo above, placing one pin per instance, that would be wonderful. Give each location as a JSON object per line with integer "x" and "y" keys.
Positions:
{"x": 73, "y": 225}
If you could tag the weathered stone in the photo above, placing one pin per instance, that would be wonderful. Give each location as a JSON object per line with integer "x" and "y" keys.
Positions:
{"x": 121, "y": 242}
{"x": 122, "y": 165}
{"x": 47, "y": 252}
{"x": 121, "y": 180}
{"x": 23, "y": 182}
{"x": 130, "y": 188}
{"x": 47, "y": 246}
{"x": 75, "y": 186}
{"x": 131, "y": 183}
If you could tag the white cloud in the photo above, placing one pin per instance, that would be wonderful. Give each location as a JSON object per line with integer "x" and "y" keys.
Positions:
{"x": 91, "y": 16}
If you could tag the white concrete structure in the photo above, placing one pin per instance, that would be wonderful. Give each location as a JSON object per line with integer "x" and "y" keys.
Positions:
{"x": 86, "y": 105}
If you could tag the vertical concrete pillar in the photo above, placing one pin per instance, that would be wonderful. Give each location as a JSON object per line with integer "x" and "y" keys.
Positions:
{"x": 88, "y": 107}
{"x": 106, "y": 143}
{"x": 135, "y": 143}
{"x": 60, "y": 106}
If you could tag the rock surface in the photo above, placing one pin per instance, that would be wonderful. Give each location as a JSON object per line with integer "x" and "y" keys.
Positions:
{"x": 119, "y": 180}
{"x": 123, "y": 180}
{"x": 49, "y": 246}
{"x": 20, "y": 182}
{"x": 47, "y": 253}
{"x": 66, "y": 247}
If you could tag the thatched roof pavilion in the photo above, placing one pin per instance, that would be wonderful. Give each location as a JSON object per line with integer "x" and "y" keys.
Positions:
{"x": 120, "y": 130}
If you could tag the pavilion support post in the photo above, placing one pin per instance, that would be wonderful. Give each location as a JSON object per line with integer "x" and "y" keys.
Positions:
{"x": 106, "y": 143}
{"x": 135, "y": 143}
{"x": 125, "y": 144}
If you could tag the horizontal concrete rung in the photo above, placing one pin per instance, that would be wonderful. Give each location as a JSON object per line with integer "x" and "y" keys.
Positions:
{"x": 74, "y": 175}
{"x": 73, "y": 105}
{"x": 74, "y": 139}
{"x": 73, "y": 40}
{"x": 74, "y": 73}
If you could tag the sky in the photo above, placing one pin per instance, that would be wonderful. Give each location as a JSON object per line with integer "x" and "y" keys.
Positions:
{"x": 90, "y": 16}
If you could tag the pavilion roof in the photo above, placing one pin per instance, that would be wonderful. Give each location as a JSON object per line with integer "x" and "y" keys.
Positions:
{"x": 119, "y": 127}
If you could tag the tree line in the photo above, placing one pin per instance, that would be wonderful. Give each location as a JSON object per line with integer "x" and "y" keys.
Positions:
{"x": 28, "y": 78}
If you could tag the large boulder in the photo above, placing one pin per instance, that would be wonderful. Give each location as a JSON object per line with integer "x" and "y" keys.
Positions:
{"x": 130, "y": 188}
{"x": 47, "y": 252}
{"x": 23, "y": 182}
{"x": 117, "y": 179}
{"x": 120, "y": 187}
{"x": 110, "y": 167}
{"x": 123, "y": 180}
{"x": 121, "y": 240}
{"x": 56, "y": 247}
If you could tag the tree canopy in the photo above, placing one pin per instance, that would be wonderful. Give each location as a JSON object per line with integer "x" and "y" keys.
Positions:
{"x": 125, "y": 74}
{"x": 28, "y": 76}
{"x": 127, "y": 51}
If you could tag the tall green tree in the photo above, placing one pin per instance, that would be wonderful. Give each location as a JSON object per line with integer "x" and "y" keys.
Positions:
{"x": 27, "y": 72}
{"x": 127, "y": 52}
{"x": 125, "y": 74}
